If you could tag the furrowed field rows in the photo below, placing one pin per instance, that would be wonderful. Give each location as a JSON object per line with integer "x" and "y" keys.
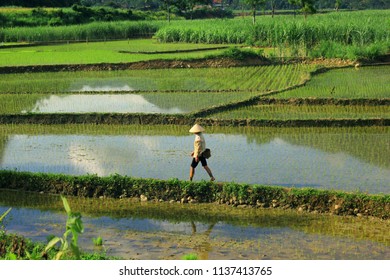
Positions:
{"x": 290, "y": 112}
{"x": 364, "y": 82}
{"x": 204, "y": 79}
{"x": 148, "y": 102}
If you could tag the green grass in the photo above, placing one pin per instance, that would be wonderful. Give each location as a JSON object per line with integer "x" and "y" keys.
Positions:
{"x": 291, "y": 34}
{"x": 115, "y": 185}
{"x": 345, "y": 27}
{"x": 365, "y": 31}
{"x": 364, "y": 82}
{"x": 99, "y": 52}
{"x": 90, "y": 31}
{"x": 291, "y": 112}
{"x": 12, "y": 104}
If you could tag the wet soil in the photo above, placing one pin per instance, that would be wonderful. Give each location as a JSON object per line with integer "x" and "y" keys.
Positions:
{"x": 151, "y": 64}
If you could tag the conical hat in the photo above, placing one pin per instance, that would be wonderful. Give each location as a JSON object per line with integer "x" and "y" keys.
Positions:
{"x": 196, "y": 128}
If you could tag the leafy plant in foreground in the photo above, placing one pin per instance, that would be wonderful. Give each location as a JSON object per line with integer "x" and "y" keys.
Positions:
{"x": 5, "y": 214}
{"x": 74, "y": 227}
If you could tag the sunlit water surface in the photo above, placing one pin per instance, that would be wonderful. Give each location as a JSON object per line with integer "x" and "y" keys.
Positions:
{"x": 134, "y": 237}
{"x": 102, "y": 103}
{"x": 300, "y": 160}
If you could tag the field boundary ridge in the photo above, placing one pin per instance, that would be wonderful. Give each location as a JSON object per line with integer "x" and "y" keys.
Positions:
{"x": 174, "y": 190}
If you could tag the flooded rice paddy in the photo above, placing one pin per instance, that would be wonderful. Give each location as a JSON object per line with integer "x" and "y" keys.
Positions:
{"x": 133, "y": 230}
{"x": 107, "y": 103}
{"x": 349, "y": 159}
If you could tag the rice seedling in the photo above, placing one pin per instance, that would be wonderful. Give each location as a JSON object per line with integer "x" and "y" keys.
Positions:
{"x": 291, "y": 112}
{"x": 189, "y": 79}
{"x": 190, "y": 257}
{"x": 98, "y": 241}
{"x": 364, "y": 82}
{"x": 18, "y": 103}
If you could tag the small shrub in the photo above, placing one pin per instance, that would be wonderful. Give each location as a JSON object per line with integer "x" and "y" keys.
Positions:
{"x": 241, "y": 54}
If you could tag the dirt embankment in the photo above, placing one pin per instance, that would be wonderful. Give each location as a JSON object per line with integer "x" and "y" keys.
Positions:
{"x": 151, "y": 64}
{"x": 159, "y": 119}
{"x": 191, "y": 63}
{"x": 237, "y": 195}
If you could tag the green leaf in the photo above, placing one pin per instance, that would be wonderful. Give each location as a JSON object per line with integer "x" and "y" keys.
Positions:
{"x": 11, "y": 256}
{"x": 59, "y": 255}
{"x": 66, "y": 205}
{"x": 52, "y": 243}
{"x": 5, "y": 214}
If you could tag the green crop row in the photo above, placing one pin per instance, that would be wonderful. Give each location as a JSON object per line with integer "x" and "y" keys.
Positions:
{"x": 364, "y": 82}
{"x": 187, "y": 79}
{"x": 185, "y": 101}
{"x": 290, "y": 112}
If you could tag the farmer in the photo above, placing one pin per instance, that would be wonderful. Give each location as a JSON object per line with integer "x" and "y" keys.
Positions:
{"x": 199, "y": 148}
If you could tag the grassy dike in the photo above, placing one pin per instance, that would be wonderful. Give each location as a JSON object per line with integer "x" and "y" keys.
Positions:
{"x": 162, "y": 119}
{"x": 174, "y": 190}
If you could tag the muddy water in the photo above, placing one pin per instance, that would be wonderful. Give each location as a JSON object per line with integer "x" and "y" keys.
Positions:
{"x": 134, "y": 230}
{"x": 353, "y": 159}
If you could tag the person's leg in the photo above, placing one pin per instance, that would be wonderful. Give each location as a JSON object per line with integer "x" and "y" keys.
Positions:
{"x": 192, "y": 173}
{"x": 209, "y": 172}
{"x": 204, "y": 164}
{"x": 194, "y": 164}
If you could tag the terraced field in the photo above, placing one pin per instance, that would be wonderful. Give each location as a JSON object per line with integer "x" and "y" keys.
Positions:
{"x": 103, "y": 122}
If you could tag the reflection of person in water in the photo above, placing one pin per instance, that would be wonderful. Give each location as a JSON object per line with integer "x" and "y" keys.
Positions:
{"x": 199, "y": 148}
{"x": 203, "y": 247}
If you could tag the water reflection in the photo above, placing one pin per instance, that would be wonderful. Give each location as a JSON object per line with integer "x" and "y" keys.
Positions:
{"x": 107, "y": 103}
{"x": 170, "y": 231}
{"x": 102, "y": 86}
{"x": 273, "y": 160}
